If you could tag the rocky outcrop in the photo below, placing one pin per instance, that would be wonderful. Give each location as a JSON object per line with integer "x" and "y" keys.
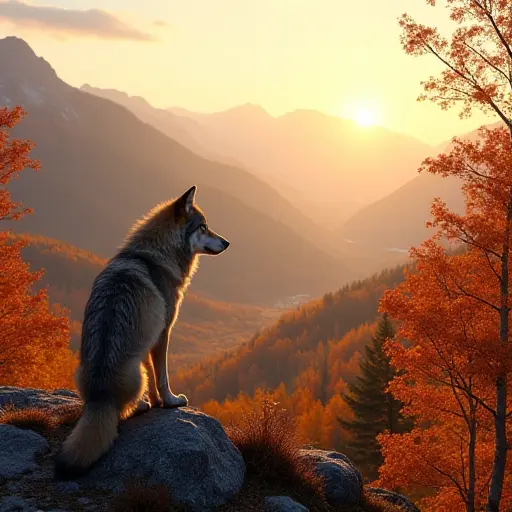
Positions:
{"x": 21, "y": 398}
{"x": 183, "y": 449}
{"x": 394, "y": 498}
{"x": 343, "y": 481}
{"x": 19, "y": 449}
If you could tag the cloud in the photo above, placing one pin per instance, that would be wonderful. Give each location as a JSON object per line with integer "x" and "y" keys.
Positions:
{"x": 93, "y": 22}
{"x": 161, "y": 23}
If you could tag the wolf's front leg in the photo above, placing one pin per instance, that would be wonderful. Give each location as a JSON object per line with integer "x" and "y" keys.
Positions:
{"x": 159, "y": 354}
{"x": 153, "y": 394}
{"x": 150, "y": 388}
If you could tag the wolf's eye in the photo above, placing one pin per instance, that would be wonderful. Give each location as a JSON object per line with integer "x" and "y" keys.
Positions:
{"x": 203, "y": 228}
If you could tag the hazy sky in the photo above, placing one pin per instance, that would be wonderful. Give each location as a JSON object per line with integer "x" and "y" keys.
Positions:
{"x": 337, "y": 56}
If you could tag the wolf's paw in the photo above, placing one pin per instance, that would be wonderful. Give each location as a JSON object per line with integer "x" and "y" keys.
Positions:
{"x": 157, "y": 402}
{"x": 173, "y": 401}
{"x": 142, "y": 407}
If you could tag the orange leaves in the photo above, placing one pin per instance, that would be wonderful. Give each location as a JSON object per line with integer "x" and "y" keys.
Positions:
{"x": 34, "y": 342}
{"x": 315, "y": 423}
{"x": 34, "y": 349}
{"x": 13, "y": 159}
{"x": 477, "y": 59}
{"x": 453, "y": 311}
{"x": 435, "y": 460}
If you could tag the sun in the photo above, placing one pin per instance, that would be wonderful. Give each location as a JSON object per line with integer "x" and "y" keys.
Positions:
{"x": 366, "y": 112}
{"x": 366, "y": 117}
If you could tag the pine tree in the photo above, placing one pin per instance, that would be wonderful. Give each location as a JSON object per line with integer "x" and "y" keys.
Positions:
{"x": 375, "y": 409}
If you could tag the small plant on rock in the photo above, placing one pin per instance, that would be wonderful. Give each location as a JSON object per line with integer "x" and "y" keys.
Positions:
{"x": 270, "y": 447}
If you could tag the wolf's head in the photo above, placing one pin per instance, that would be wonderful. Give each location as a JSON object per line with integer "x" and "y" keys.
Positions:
{"x": 195, "y": 231}
{"x": 177, "y": 229}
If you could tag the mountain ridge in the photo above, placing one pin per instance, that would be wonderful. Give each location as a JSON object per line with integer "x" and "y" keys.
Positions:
{"x": 327, "y": 166}
{"x": 97, "y": 155}
{"x": 384, "y": 223}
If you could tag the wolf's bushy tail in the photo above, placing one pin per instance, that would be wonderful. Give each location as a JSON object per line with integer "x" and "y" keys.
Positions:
{"x": 92, "y": 436}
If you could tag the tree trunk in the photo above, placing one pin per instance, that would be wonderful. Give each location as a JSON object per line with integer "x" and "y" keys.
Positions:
{"x": 500, "y": 449}
{"x": 500, "y": 426}
{"x": 470, "y": 504}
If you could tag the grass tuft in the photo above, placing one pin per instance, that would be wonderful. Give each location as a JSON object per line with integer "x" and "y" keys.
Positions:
{"x": 46, "y": 422}
{"x": 41, "y": 421}
{"x": 68, "y": 415}
{"x": 270, "y": 447}
{"x": 372, "y": 503}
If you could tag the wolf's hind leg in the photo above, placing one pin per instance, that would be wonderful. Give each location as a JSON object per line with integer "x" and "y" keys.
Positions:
{"x": 159, "y": 354}
{"x": 134, "y": 383}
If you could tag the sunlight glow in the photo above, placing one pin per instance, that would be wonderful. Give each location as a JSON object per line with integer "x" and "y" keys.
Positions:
{"x": 366, "y": 117}
{"x": 365, "y": 112}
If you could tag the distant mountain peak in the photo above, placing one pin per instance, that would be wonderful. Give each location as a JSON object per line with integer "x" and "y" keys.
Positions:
{"x": 116, "y": 95}
{"x": 17, "y": 46}
{"x": 247, "y": 110}
{"x": 253, "y": 107}
{"x": 19, "y": 62}
{"x": 89, "y": 87}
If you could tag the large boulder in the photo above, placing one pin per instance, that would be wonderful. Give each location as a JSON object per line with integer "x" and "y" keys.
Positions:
{"x": 184, "y": 449}
{"x": 393, "y": 497}
{"x": 19, "y": 449}
{"x": 343, "y": 481}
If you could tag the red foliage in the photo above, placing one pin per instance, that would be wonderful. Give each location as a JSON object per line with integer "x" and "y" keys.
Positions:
{"x": 34, "y": 348}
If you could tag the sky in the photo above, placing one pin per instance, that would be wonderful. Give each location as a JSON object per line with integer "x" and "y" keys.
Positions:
{"x": 340, "y": 57}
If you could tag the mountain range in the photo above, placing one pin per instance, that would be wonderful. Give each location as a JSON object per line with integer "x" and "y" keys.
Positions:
{"x": 383, "y": 223}
{"x": 248, "y": 133}
{"x": 327, "y": 166}
{"x": 287, "y": 191}
{"x": 102, "y": 168}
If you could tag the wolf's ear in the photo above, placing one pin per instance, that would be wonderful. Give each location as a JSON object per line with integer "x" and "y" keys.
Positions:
{"x": 186, "y": 201}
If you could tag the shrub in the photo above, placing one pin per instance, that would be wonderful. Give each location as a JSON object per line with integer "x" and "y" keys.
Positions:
{"x": 269, "y": 445}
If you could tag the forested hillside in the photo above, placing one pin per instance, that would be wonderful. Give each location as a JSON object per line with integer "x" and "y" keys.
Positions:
{"x": 205, "y": 326}
{"x": 316, "y": 345}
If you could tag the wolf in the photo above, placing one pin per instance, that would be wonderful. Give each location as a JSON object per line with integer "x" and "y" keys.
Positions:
{"x": 128, "y": 320}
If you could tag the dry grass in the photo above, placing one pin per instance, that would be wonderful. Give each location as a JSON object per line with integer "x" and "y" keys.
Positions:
{"x": 140, "y": 497}
{"x": 41, "y": 421}
{"x": 378, "y": 504}
{"x": 68, "y": 415}
{"x": 270, "y": 448}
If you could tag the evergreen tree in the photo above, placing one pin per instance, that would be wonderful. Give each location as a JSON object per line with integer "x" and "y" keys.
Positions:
{"x": 375, "y": 410}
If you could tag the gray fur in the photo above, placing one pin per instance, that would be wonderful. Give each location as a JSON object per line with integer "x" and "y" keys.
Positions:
{"x": 132, "y": 308}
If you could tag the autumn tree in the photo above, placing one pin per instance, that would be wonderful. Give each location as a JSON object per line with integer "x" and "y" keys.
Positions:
{"x": 477, "y": 61}
{"x": 452, "y": 310}
{"x": 374, "y": 408}
{"x": 34, "y": 342}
